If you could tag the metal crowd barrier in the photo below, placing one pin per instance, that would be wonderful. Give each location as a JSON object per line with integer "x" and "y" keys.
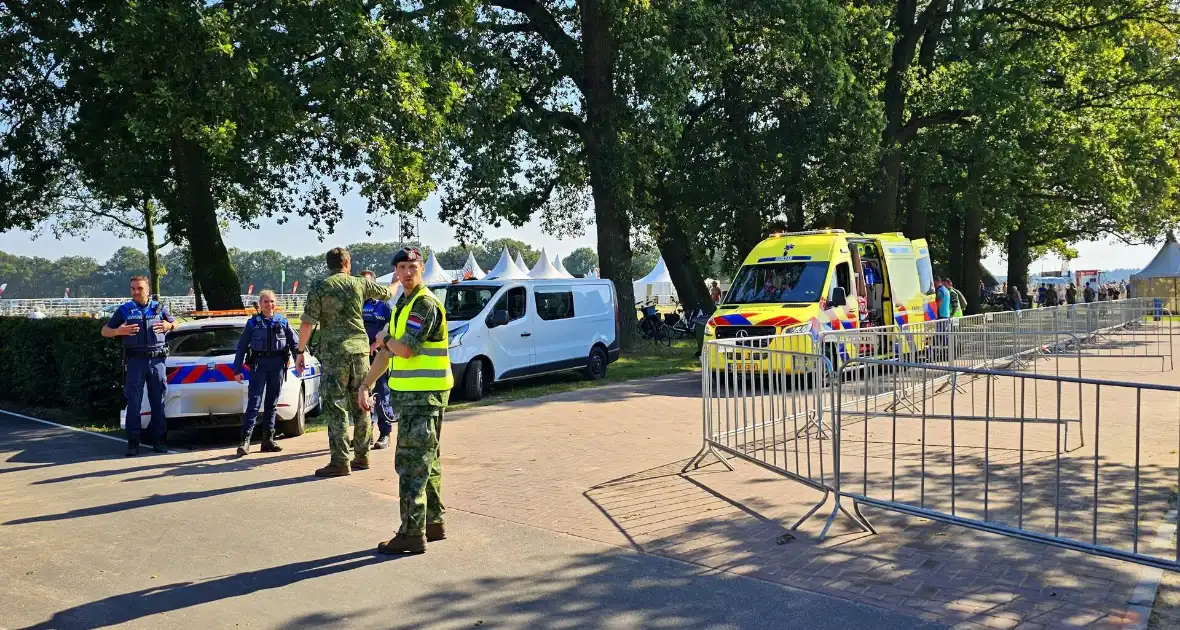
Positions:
{"x": 989, "y": 456}
{"x": 288, "y": 302}
{"x": 960, "y": 421}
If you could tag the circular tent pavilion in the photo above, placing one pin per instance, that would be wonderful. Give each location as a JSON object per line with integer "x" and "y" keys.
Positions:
{"x": 1161, "y": 277}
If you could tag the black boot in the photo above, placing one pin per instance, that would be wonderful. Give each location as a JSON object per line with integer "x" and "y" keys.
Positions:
{"x": 268, "y": 442}
{"x": 244, "y": 446}
{"x": 132, "y": 447}
{"x": 382, "y": 442}
{"x": 161, "y": 445}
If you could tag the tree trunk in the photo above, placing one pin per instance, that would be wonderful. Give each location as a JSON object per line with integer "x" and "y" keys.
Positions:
{"x": 1019, "y": 259}
{"x": 683, "y": 265}
{"x": 211, "y": 264}
{"x": 954, "y": 247}
{"x": 604, "y": 158}
{"x": 153, "y": 250}
{"x": 915, "y": 224}
{"x": 972, "y": 255}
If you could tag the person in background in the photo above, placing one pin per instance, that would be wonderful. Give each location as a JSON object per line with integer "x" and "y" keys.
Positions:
{"x": 335, "y": 303}
{"x": 143, "y": 324}
{"x": 956, "y": 298}
{"x": 942, "y": 298}
{"x": 377, "y": 314}
{"x": 271, "y": 342}
{"x": 715, "y": 292}
{"x": 1088, "y": 293}
{"x": 1015, "y": 298}
{"x": 1041, "y": 295}
{"x": 1071, "y": 294}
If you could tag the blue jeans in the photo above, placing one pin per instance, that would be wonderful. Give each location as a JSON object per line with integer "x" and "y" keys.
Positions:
{"x": 268, "y": 379}
{"x": 383, "y": 413}
{"x": 148, "y": 372}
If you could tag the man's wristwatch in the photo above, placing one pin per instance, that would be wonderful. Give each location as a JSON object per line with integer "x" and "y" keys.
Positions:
{"x": 298, "y": 350}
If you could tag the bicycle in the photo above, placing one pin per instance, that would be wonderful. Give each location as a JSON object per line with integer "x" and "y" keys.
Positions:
{"x": 652, "y": 327}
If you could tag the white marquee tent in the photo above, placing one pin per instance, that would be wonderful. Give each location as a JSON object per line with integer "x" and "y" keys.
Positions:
{"x": 432, "y": 273}
{"x": 1161, "y": 277}
{"x": 520, "y": 263}
{"x": 657, "y": 285}
{"x": 471, "y": 269}
{"x": 544, "y": 268}
{"x": 506, "y": 269}
{"x": 560, "y": 267}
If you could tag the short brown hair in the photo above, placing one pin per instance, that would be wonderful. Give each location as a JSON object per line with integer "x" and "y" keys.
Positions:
{"x": 369, "y": 272}
{"x": 142, "y": 279}
{"x": 337, "y": 257}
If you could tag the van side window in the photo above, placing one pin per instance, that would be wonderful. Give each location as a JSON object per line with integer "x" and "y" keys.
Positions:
{"x": 555, "y": 305}
{"x": 925, "y": 275}
{"x": 514, "y": 301}
{"x": 843, "y": 279}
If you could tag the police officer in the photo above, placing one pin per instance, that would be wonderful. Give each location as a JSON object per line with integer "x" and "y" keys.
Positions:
{"x": 376, "y": 314}
{"x": 142, "y": 323}
{"x": 414, "y": 350}
{"x": 270, "y": 341}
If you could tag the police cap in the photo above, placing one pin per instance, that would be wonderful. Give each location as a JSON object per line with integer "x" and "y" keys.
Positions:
{"x": 406, "y": 254}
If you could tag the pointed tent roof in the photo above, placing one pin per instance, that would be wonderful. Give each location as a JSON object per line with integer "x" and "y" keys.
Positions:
{"x": 658, "y": 274}
{"x": 560, "y": 267}
{"x": 506, "y": 269}
{"x": 1166, "y": 263}
{"x": 544, "y": 268}
{"x": 434, "y": 271}
{"x": 520, "y": 263}
{"x": 471, "y": 268}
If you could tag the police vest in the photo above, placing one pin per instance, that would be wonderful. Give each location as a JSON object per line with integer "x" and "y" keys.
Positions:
{"x": 956, "y": 306}
{"x": 267, "y": 335}
{"x": 145, "y": 317}
{"x": 430, "y": 369}
{"x": 375, "y": 313}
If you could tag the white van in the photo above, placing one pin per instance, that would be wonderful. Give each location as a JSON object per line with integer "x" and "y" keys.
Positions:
{"x": 503, "y": 330}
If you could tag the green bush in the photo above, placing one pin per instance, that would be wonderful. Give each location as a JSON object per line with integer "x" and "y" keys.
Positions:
{"x": 61, "y": 362}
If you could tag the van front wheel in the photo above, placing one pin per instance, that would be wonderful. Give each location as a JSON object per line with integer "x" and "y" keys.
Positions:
{"x": 595, "y": 364}
{"x": 473, "y": 380}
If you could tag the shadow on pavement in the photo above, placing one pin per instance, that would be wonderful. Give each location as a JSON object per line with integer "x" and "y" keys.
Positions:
{"x": 208, "y": 465}
{"x": 119, "y": 609}
{"x": 159, "y": 500}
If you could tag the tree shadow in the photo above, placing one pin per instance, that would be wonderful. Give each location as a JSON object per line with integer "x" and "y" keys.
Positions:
{"x": 618, "y": 589}
{"x": 127, "y": 607}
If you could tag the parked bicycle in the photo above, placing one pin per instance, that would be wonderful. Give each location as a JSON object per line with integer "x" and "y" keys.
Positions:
{"x": 653, "y": 327}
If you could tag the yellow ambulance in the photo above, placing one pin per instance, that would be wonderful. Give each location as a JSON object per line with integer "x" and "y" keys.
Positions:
{"x": 817, "y": 281}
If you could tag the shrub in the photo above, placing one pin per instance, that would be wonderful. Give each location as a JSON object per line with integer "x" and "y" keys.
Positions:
{"x": 61, "y": 362}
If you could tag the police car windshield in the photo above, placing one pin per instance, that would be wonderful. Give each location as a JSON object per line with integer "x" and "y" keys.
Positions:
{"x": 205, "y": 342}
{"x": 787, "y": 282}
{"x": 464, "y": 303}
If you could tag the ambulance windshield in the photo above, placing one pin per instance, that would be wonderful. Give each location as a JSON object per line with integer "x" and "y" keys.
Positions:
{"x": 787, "y": 282}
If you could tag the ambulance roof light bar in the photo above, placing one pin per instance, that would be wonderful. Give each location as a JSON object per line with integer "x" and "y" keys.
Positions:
{"x": 808, "y": 232}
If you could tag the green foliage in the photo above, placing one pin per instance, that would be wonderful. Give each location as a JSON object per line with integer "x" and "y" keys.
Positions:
{"x": 580, "y": 261}
{"x": 61, "y": 362}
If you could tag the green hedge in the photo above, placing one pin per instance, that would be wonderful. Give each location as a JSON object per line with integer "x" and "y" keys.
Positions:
{"x": 61, "y": 362}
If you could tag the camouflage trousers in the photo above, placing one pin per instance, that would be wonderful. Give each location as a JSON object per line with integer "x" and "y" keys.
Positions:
{"x": 343, "y": 376}
{"x": 418, "y": 468}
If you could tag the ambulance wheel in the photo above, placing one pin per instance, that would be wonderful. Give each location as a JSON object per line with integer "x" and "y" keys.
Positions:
{"x": 296, "y": 426}
{"x": 473, "y": 380}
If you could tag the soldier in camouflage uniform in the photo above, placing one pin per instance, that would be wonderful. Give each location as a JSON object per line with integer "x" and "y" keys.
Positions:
{"x": 414, "y": 348}
{"x": 335, "y": 304}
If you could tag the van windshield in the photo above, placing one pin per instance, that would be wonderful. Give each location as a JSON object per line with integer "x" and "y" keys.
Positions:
{"x": 798, "y": 282}
{"x": 464, "y": 303}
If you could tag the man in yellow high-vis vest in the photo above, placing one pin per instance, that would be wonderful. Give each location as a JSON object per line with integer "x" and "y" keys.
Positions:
{"x": 414, "y": 349}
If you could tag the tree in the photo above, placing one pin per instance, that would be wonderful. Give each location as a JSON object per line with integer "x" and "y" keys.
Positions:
{"x": 238, "y": 106}
{"x": 581, "y": 261}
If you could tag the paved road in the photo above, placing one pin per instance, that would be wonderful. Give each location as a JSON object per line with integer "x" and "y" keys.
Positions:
{"x": 198, "y": 539}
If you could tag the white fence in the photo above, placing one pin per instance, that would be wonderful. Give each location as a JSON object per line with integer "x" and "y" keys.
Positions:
{"x": 66, "y": 307}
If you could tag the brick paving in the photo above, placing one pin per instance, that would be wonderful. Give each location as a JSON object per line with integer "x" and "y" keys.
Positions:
{"x": 605, "y": 464}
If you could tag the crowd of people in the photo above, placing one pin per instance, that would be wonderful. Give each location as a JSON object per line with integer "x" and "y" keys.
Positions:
{"x": 361, "y": 344}
{"x": 1046, "y": 295}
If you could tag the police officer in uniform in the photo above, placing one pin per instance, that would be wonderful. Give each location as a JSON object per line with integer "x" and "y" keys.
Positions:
{"x": 414, "y": 350}
{"x": 142, "y": 323}
{"x": 376, "y": 314}
{"x": 270, "y": 341}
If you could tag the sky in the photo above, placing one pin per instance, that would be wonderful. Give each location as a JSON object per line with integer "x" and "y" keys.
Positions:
{"x": 295, "y": 239}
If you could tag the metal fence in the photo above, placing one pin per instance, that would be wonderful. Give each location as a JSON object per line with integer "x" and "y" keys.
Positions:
{"x": 66, "y": 307}
{"x": 985, "y": 422}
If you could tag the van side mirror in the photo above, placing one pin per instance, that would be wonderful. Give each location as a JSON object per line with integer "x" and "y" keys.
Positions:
{"x": 839, "y": 297}
{"x": 499, "y": 318}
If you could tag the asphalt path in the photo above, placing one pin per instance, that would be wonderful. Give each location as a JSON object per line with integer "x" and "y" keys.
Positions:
{"x": 196, "y": 539}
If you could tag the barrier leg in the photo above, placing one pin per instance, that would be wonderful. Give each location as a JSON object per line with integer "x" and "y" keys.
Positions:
{"x": 699, "y": 459}
{"x": 813, "y": 510}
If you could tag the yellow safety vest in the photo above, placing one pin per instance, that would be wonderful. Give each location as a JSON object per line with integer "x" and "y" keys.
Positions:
{"x": 430, "y": 369}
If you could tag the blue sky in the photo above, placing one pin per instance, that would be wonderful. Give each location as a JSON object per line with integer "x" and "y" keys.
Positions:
{"x": 296, "y": 239}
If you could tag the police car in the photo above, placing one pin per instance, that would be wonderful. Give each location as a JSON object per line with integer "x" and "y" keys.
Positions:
{"x": 202, "y": 391}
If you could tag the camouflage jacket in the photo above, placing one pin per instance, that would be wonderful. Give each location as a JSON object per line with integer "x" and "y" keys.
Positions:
{"x": 428, "y": 310}
{"x": 336, "y": 303}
